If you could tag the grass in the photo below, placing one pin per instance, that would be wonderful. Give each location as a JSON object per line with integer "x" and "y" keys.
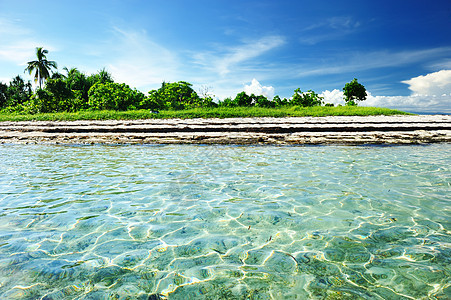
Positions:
{"x": 220, "y": 112}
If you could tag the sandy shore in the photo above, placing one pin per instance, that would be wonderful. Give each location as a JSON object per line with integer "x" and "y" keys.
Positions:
{"x": 299, "y": 130}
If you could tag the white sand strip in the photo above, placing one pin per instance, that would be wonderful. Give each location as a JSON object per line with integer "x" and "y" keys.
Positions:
{"x": 296, "y": 130}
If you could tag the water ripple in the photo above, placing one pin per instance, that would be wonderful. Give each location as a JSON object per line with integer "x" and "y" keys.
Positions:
{"x": 202, "y": 222}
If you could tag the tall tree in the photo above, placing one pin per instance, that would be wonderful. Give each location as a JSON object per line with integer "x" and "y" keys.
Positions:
{"x": 354, "y": 91}
{"x": 18, "y": 91}
{"x": 42, "y": 66}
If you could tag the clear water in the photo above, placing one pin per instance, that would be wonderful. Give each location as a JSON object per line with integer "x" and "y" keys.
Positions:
{"x": 225, "y": 222}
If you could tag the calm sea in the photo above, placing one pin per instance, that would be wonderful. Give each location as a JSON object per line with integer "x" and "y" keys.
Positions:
{"x": 225, "y": 222}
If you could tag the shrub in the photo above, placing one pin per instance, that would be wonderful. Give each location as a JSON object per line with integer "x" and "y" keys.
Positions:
{"x": 309, "y": 98}
{"x": 262, "y": 101}
{"x": 18, "y": 91}
{"x": 154, "y": 101}
{"x": 243, "y": 99}
{"x": 280, "y": 102}
{"x": 43, "y": 101}
{"x": 62, "y": 95}
{"x": 113, "y": 96}
{"x": 227, "y": 102}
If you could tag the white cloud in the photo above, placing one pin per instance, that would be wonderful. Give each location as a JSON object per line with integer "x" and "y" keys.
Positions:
{"x": 330, "y": 29}
{"x": 353, "y": 61}
{"x": 139, "y": 61}
{"x": 437, "y": 83}
{"x": 413, "y": 103}
{"x": 430, "y": 93}
{"x": 342, "y": 23}
{"x": 335, "y": 97}
{"x": 234, "y": 57}
{"x": 257, "y": 89}
{"x": 225, "y": 68}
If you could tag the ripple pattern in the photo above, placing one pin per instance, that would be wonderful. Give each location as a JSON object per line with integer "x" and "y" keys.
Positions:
{"x": 225, "y": 222}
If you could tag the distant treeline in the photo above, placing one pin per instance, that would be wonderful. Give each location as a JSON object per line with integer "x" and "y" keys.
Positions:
{"x": 76, "y": 91}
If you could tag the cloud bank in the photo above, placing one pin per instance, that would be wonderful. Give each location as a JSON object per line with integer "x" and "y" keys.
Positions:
{"x": 430, "y": 93}
{"x": 437, "y": 83}
{"x": 257, "y": 89}
{"x": 412, "y": 103}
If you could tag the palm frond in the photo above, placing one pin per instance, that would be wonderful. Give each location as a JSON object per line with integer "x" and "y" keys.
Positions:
{"x": 41, "y": 65}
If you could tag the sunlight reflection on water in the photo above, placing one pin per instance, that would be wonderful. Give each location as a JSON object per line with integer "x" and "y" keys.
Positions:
{"x": 195, "y": 222}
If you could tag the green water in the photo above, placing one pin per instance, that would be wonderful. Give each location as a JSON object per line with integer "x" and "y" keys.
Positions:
{"x": 225, "y": 222}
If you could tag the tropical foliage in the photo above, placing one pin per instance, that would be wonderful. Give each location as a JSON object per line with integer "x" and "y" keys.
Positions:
{"x": 42, "y": 67}
{"x": 176, "y": 95}
{"x": 243, "y": 99}
{"x": 16, "y": 93}
{"x": 309, "y": 98}
{"x": 354, "y": 91}
{"x": 73, "y": 91}
{"x": 113, "y": 96}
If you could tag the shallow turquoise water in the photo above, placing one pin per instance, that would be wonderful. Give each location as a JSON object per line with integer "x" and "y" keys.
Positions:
{"x": 225, "y": 222}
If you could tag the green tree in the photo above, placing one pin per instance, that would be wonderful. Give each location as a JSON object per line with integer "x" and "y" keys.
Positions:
{"x": 42, "y": 66}
{"x": 103, "y": 76}
{"x": 18, "y": 91}
{"x": 206, "y": 97}
{"x": 153, "y": 101}
{"x": 43, "y": 101}
{"x": 77, "y": 81}
{"x": 309, "y": 98}
{"x": 80, "y": 84}
{"x": 354, "y": 91}
{"x": 243, "y": 99}
{"x": 227, "y": 102}
{"x": 70, "y": 72}
{"x": 207, "y": 101}
{"x": 57, "y": 75}
{"x": 262, "y": 101}
{"x": 175, "y": 95}
{"x": 280, "y": 102}
{"x": 63, "y": 96}
{"x": 114, "y": 96}
{"x": 180, "y": 95}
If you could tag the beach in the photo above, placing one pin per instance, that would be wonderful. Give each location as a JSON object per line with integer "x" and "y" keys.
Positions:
{"x": 405, "y": 129}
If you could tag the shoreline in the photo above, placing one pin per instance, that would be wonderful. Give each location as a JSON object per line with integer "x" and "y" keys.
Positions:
{"x": 350, "y": 130}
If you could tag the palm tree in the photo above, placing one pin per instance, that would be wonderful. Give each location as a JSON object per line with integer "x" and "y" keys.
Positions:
{"x": 42, "y": 66}
{"x": 70, "y": 72}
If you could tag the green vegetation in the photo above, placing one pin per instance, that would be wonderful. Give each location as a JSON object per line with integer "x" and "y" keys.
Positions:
{"x": 353, "y": 92}
{"x": 42, "y": 66}
{"x": 215, "y": 112}
{"x": 75, "y": 95}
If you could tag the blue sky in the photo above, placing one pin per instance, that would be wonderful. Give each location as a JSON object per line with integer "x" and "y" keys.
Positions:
{"x": 400, "y": 50}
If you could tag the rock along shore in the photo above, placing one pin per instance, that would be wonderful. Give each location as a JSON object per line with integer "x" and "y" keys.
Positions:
{"x": 285, "y": 131}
